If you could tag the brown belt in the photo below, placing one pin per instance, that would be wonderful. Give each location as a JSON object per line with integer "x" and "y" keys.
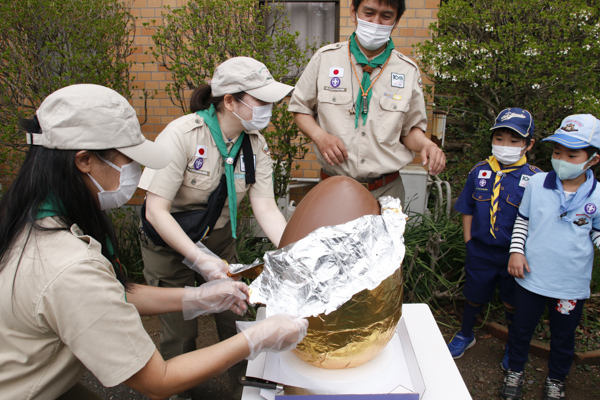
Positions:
{"x": 376, "y": 184}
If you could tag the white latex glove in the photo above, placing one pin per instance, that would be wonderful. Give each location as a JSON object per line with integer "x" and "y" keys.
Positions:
{"x": 214, "y": 297}
{"x": 207, "y": 264}
{"x": 279, "y": 332}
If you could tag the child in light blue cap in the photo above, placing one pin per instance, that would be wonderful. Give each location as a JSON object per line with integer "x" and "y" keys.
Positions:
{"x": 552, "y": 253}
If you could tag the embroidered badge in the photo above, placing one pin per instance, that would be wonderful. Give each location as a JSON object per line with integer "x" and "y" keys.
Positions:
{"x": 581, "y": 221}
{"x": 482, "y": 182}
{"x": 570, "y": 126}
{"x": 198, "y": 163}
{"x": 391, "y": 96}
{"x": 590, "y": 208}
{"x": 511, "y": 115}
{"x": 333, "y": 89}
{"x": 336, "y": 72}
{"x": 397, "y": 97}
{"x": 420, "y": 82}
{"x": 266, "y": 151}
{"x": 564, "y": 306}
{"x": 335, "y": 82}
{"x": 485, "y": 174}
{"x": 524, "y": 181}
{"x": 397, "y": 80}
{"x": 190, "y": 169}
{"x": 243, "y": 165}
{"x": 239, "y": 176}
{"x": 201, "y": 151}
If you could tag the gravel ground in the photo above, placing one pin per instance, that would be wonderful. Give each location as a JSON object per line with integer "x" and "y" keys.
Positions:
{"x": 479, "y": 367}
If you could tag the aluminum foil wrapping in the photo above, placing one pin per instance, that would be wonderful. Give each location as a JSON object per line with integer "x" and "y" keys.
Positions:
{"x": 347, "y": 279}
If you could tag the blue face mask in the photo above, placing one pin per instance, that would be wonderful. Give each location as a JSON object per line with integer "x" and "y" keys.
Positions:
{"x": 567, "y": 170}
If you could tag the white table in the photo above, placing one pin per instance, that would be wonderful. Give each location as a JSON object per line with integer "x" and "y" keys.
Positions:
{"x": 438, "y": 370}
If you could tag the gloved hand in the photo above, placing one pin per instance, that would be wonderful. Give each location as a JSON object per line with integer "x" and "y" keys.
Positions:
{"x": 279, "y": 332}
{"x": 207, "y": 264}
{"x": 214, "y": 297}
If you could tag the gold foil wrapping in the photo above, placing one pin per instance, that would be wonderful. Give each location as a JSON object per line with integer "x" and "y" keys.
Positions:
{"x": 358, "y": 330}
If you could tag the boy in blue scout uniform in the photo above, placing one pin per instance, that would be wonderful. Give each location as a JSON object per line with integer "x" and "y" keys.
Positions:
{"x": 488, "y": 204}
{"x": 552, "y": 253}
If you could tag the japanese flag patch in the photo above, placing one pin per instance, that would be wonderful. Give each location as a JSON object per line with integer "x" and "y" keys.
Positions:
{"x": 201, "y": 151}
{"x": 336, "y": 72}
{"x": 485, "y": 174}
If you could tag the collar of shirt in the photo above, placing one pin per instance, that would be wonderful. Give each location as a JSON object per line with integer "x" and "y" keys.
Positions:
{"x": 552, "y": 182}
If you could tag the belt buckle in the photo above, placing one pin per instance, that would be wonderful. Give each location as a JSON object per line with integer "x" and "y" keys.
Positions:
{"x": 365, "y": 184}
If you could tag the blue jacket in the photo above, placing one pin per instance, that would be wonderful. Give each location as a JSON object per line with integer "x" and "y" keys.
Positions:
{"x": 476, "y": 196}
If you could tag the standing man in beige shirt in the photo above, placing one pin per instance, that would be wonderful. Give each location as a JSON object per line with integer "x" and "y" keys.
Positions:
{"x": 362, "y": 104}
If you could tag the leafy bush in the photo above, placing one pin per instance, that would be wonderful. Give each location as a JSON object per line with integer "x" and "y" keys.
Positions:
{"x": 197, "y": 37}
{"x": 540, "y": 55}
{"x": 46, "y": 45}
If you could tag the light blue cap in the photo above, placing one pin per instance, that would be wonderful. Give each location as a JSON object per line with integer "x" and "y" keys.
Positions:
{"x": 577, "y": 132}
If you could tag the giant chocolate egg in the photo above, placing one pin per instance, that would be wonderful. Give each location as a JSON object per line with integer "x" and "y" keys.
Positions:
{"x": 362, "y": 327}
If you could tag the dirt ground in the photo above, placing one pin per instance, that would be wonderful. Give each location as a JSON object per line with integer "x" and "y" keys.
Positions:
{"x": 479, "y": 367}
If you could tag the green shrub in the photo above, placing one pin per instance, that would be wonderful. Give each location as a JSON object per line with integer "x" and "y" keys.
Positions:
{"x": 46, "y": 45}
{"x": 540, "y": 55}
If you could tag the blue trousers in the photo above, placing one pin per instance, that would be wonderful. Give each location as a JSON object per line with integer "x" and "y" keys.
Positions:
{"x": 564, "y": 319}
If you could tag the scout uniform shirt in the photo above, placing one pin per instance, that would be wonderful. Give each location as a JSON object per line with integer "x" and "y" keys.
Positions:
{"x": 327, "y": 90}
{"x": 62, "y": 310}
{"x": 197, "y": 166}
{"x": 476, "y": 196}
{"x": 558, "y": 248}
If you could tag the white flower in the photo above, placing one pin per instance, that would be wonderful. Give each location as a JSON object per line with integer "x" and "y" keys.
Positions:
{"x": 536, "y": 86}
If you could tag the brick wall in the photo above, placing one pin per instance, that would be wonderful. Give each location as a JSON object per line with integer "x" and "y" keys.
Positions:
{"x": 158, "y": 112}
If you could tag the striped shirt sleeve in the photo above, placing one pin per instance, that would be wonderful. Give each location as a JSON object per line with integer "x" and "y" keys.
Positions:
{"x": 519, "y": 235}
{"x": 595, "y": 235}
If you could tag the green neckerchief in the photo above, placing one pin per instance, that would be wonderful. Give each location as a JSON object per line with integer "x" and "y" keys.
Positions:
{"x": 210, "y": 118}
{"x": 51, "y": 208}
{"x": 366, "y": 79}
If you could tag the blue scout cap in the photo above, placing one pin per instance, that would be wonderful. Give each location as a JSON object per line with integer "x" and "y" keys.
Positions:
{"x": 578, "y": 132}
{"x": 517, "y": 119}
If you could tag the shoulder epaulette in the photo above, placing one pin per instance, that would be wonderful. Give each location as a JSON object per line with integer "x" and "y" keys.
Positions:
{"x": 535, "y": 169}
{"x": 478, "y": 164}
{"x": 331, "y": 46}
{"x": 406, "y": 59}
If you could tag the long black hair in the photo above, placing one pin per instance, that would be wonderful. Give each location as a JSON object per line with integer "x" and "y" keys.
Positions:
{"x": 51, "y": 174}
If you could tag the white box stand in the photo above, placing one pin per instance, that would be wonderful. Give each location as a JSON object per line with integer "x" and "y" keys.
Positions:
{"x": 426, "y": 366}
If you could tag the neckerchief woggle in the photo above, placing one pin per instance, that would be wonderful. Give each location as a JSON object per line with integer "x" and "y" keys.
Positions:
{"x": 500, "y": 173}
{"x": 366, "y": 78}
{"x": 210, "y": 118}
{"x": 577, "y": 199}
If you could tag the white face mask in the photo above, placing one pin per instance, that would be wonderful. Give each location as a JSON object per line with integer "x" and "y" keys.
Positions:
{"x": 567, "y": 170}
{"x": 128, "y": 182}
{"x": 507, "y": 155}
{"x": 261, "y": 116}
{"x": 372, "y": 36}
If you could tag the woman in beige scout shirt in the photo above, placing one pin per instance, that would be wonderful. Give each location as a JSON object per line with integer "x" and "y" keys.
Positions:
{"x": 205, "y": 143}
{"x": 64, "y": 303}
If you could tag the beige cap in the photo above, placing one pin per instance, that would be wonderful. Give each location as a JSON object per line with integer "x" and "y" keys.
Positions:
{"x": 245, "y": 74}
{"x": 93, "y": 117}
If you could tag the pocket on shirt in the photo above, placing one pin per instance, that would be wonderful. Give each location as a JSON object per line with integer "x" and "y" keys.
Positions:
{"x": 482, "y": 196}
{"x": 390, "y": 119}
{"x": 334, "y": 111}
{"x": 514, "y": 200}
{"x": 196, "y": 180}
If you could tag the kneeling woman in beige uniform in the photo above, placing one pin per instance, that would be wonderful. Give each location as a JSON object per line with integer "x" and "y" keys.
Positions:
{"x": 64, "y": 303}
{"x": 206, "y": 144}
